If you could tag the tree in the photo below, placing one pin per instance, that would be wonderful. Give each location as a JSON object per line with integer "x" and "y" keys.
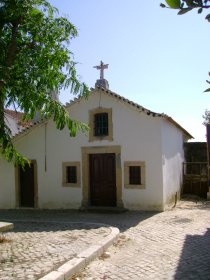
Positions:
{"x": 206, "y": 117}
{"x": 185, "y": 6}
{"x": 34, "y": 61}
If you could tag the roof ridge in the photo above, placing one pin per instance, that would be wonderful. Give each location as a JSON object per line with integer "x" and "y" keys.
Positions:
{"x": 147, "y": 111}
{"x": 120, "y": 97}
{"x": 138, "y": 106}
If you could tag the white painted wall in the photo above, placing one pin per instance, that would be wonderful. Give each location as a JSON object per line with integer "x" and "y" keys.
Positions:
{"x": 138, "y": 135}
{"x": 7, "y": 185}
{"x": 140, "y": 138}
{"x": 51, "y": 193}
{"x": 173, "y": 158}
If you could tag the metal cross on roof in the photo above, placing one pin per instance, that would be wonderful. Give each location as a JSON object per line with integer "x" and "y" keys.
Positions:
{"x": 101, "y": 67}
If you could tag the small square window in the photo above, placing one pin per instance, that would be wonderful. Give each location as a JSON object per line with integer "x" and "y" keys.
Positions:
{"x": 71, "y": 174}
{"x": 101, "y": 124}
{"x": 134, "y": 175}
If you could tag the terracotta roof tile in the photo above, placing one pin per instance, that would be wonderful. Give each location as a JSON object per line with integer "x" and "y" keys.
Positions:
{"x": 18, "y": 116}
{"x": 30, "y": 125}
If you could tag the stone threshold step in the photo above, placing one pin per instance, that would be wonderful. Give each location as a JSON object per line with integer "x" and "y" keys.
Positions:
{"x": 104, "y": 209}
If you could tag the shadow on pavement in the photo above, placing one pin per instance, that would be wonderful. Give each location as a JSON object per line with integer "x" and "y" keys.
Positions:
{"x": 194, "y": 261}
{"x": 53, "y": 220}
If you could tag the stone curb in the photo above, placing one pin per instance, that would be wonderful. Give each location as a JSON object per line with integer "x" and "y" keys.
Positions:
{"x": 67, "y": 270}
{"x": 6, "y": 226}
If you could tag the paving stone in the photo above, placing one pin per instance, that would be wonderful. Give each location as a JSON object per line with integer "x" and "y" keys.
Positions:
{"x": 35, "y": 248}
{"x": 170, "y": 245}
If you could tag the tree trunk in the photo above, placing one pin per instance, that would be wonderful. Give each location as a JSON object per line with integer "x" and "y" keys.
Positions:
{"x": 12, "y": 48}
{"x": 2, "y": 122}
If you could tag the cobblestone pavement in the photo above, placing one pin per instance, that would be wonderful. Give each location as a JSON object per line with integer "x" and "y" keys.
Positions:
{"x": 170, "y": 245}
{"x": 36, "y": 248}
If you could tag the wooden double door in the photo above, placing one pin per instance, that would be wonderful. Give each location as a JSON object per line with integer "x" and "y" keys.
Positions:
{"x": 102, "y": 179}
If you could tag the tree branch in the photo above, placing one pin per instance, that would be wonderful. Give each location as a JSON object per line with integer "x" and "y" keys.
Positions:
{"x": 11, "y": 51}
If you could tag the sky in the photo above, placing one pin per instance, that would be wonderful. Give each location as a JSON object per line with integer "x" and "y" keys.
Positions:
{"x": 156, "y": 58}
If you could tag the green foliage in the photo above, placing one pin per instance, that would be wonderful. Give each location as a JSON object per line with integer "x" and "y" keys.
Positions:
{"x": 208, "y": 89}
{"x": 174, "y": 4}
{"x": 35, "y": 60}
{"x": 185, "y": 6}
{"x": 206, "y": 117}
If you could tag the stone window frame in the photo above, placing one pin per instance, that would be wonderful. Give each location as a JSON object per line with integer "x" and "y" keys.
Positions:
{"x": 92, "y": 113}
{"x": 64, "y": 169}
{"x": 141, "y": 164}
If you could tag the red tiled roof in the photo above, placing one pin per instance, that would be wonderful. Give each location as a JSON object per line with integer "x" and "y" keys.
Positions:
{"x": 18, "y": 116}
{"x": 139, "y": 107}
{"x": 14, "y": 114}
{"x": 31, "y": 125}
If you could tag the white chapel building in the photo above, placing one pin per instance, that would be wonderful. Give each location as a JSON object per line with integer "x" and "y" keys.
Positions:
{"x": 131, "y": 158}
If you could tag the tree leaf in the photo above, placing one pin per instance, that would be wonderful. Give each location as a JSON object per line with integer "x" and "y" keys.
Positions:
{"x": 162, "y": 5}
{"x": 189, "y": 3}
{"x": 184, "y": 11}
{"x": 208, "y": 17}
{"x": 200, "y": 10}
{"x": 174, "y": 4}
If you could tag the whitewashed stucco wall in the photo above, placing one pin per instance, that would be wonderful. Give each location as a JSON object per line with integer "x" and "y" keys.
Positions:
{"x": 7, "y": 173}
{"x": 138, "y": 134}
{"x": 172, "y": 158}
{"x": 51, "y": 193}
{"x": 140, "y": 138}
{"x": 7, "y": 185}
